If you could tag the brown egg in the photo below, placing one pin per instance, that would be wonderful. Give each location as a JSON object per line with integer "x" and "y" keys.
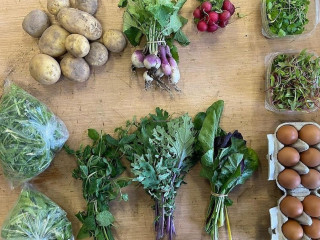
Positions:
{"x": 291, "y": 207}
{"x": 287, "y": 134}
{"x": 292, "y": 230}
{"x": 311, "y": 180}
{"x": 313, "y": 231}
{"x": 311, "y": 157}
{"x": 289, "y": 179}
{"x": 310, "y": 134}
{"x": 311, "y": 205}
{"x": 288, "y": 156}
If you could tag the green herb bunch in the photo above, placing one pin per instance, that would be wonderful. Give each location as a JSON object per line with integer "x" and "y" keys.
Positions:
{"x": 158, "y": 20}
{"x": 99, "y": 168}
{"x": 287, "y": 17}
{"x": 160, "y": 150}
{"x": 226, "y": 162}
{"x": 35, "y": 216}
{"x": 294, "y": 81}
{"x": 30, "y": 135}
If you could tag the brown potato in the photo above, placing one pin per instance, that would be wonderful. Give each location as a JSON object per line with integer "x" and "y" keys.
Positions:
{"x": 98, "y": 55}
{"x": 75, "y": 69}
{"x": 35, "y": 23}
{"x": 53, "y": 41}
{"x": 77, "y": 45}
{"x": 54, "y": 6}
{"x": 80, "y": 22}
{"x": 114, "y": 40}
{"x": 89, "y": 6}
{"x": 45, "y": 69}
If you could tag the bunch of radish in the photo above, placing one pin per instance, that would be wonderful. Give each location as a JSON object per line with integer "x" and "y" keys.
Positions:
{"x": 209, "y": 18}
{"x": 158, "y": 64}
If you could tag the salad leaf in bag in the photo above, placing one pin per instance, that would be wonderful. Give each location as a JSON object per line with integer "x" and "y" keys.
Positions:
{"x": 36, "y": 217}
{"x": 30, "y": 135}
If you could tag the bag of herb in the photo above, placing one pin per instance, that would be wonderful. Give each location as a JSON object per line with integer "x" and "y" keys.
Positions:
{"x": 30, "y": 135}
{"x": 36, "y": 217}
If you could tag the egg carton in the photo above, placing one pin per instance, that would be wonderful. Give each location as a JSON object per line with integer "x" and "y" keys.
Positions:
{"x": 275, "y": 167}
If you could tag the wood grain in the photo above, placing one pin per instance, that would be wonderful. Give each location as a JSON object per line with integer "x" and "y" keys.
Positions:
{"x": 228, "y": 65}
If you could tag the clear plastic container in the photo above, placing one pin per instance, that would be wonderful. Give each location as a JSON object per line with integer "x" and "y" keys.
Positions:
{"x": 269, "y": 105}
{"x": 312, "y": 15}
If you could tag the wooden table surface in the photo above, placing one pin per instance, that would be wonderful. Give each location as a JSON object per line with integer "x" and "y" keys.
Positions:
{"x": 227, "y": 65}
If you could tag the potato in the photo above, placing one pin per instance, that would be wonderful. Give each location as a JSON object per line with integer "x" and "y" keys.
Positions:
{"x": 114, "y": 40}
{"x": 98, "y": 55}
{"x": 45, "y": 69}
{"x": 77, "y": 21}
{"x": 35, "y": 23}
{"x": 76, "y": 69}
{"x": 54, "y": 6}
{"x": 53, "y": 41}
{"x": 89, "y": 6}
{"x": 77, "y": 45}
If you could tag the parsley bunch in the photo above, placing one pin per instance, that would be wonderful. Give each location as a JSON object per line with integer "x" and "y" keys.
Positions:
{"x": 99, "y": 168}
{"x": 159, "y": 21}
{"x": 226, "y": 162}
{"x": 160, "y": 156}
{"x": 294, "y": 81}
{"x": 287, "y": 17}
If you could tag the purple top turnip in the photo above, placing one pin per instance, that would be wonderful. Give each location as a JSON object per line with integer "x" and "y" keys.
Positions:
{"x": 137, "y": 59}
{"x": 152, "y": 61}
{"x": 166, "y": 68}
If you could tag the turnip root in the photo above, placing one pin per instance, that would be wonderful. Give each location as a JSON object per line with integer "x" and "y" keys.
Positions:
{"x": 137, "y": 59}
{"x": 152, "y": 61}
{"x": 147, "y": 78}
{"x": 159, "y": 73}
{"x": 166, "y": 68}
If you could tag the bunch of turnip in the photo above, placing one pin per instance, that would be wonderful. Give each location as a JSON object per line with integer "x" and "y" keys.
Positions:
{"x": 159, "y": 64}
{"x": 209, "y": 16}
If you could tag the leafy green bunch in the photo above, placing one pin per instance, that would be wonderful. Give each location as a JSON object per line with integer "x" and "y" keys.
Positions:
{"x": 30, "y": 135}
{"x": 99, "y": 168}
{"x": 287, "y": 17}
{"x": 226, "y": 162}
{"x": 35, "y": 216}
{"x": 294, "y": 81}
{"x": 160, "y": 156}
{"x": 158, "y": 20}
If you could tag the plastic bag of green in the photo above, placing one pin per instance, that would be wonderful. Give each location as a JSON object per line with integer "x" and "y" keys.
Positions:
{"x": 36, "y": 217}
{"x": 30, "y": 135}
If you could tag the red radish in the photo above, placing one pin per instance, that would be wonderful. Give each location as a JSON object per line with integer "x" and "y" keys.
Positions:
{"x": 224, "y": 16}
{"x": 206, "y": 7}
{"x": 202, "y": 26}
{"x": 212, "y": 18}
{"x": 212, "y": 28}
{"x": 223, "y": 24}
{"x": 197, "y": 13}
{"x": 227, "y": 5}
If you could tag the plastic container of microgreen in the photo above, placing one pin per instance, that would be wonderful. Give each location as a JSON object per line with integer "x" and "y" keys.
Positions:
{"x": 309, "y": 106}
{"x": 312, "y": 15}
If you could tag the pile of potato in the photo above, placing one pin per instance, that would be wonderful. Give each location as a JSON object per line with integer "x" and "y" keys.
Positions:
{"x": 74, "y": 42}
